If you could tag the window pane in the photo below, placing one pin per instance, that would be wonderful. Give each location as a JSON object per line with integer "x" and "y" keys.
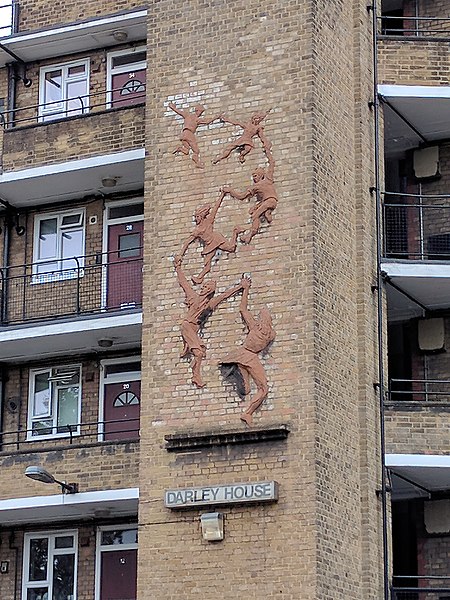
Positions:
{"x": 129, "y": 59}
{"x": 47, "y": 239}
{"x": 53, "y": 86}
{"x": 75, "y": 219}
{"x": 77, "y": 70}
{"x": 63, "y": 576}
{"x": 71, "y": 245}
{"x": 42, "y": 427}
{"x": 129, "y": 245}
{"x": 129, "y": 210}
{"x": 67, "y": 407}
{"x": 119, "y": 537}
{"x": 38, "y": 594}
{"x": 38, "y": 559}
{"x": 74, "y": 90}
{"x": 131, "y": 367}
{"x": 41, "y": 400}
{"x": 64, "y": 541}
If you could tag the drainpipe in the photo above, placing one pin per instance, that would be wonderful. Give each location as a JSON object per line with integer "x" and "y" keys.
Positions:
{"x": 11, "y": 100}
{"x": 5, "y": 265}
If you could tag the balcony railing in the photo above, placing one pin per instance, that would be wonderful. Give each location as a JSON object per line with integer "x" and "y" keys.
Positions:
{"x": 71, "y": 107}
{"x": 94, "y": 283}
{"x": 416, "y": 227}
{"x": 76, "y": 434}
{"x": 430, "y": 392}
{"x": 421, "y": 588}
{"x": 412, "y": 27}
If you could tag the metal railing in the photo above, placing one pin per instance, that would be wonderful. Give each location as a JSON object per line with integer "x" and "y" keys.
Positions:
{"x": 414, "y": 27}
{"x": 416, "y": 227}
{"x": 419, "y": 391}
{"x": 432, "y": 587}
{"x": 70, "y": 107}
{"x": 75, "y": 434}
{"x": 92, "y": 283}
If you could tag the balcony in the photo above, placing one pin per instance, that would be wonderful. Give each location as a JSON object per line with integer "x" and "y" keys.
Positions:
{"x": 417, "y": 587}
{"x": 419, "y": 393}
{"x": 48, "y": 310}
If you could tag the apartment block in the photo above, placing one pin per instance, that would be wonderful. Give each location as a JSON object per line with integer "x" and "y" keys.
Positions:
{"x": 224, "y": 300}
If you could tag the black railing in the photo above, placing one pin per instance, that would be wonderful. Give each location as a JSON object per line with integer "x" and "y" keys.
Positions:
{"x": 420, "y": 391}
{"x": 75, "y": 434}
{"x": 70, "y": 107}
{"x": 414, "y": 27}
{"x": 416, "y": 227}
{"x": 431, "y": 587}
{"x": 93, "y": 283}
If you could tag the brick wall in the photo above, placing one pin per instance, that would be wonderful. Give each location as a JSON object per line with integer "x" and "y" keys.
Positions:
{"x": 415, "y": 62}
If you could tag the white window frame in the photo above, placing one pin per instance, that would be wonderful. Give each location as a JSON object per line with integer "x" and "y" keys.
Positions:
{"x": 59, "y": 274}
{"x": 114, "y": 378}
{"x": 53, "y": 409}
{"x": 52, "y": 552}
{"x": 110, "y": 548}
{"x": 59, "y": 110}
{"x": 111, "y": 71}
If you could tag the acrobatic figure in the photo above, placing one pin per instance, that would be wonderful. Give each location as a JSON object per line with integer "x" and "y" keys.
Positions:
{"x": 266, "y": 197}
{"x": 212, "y": 240}
{"x": 251, "y": 129}
{"x": 188, "y": 140}
{"x": 200, "y": 306}
{"x": 246, "y": 360}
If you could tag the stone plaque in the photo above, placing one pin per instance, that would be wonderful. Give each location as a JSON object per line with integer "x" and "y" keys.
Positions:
{"x": 261, "y": 491}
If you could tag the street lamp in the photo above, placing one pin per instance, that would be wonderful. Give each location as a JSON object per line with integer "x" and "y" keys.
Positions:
{"x": 40, "y": 474}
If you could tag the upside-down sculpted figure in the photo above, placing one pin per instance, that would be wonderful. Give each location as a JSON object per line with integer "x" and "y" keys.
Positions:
{"x": 245, "y": 143}
{"x": 246, "y": 359}
{"x": 212, "y": 240}
{"x": 191, "y": 121}
{"x": 264, "y": 192}
{"x": 200, "y": 305}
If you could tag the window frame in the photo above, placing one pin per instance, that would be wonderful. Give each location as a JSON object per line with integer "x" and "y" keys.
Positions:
{"x": 111, "y": 71}
{"x": 53, "y": 412}
{"x": 52, "y": 552}
{"x": 59, "y": 274}
{"x": 99, "y": 548}
{"x": 46, "y": 114}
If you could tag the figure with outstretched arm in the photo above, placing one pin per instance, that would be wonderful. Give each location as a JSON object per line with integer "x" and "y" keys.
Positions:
{"x": 200, "y": 305}
{"x": 264, "y": 192}
{"x": 212, "y": 240}
{"x": 244, "y": 142}
{"x": 246, "y": 360}
{"x": 191, "y": 121}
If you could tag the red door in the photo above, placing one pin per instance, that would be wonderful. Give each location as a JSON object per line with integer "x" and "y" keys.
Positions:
{"x": 128, "y": 88}
{"x": 118, "y": 575}
{"x": 121, "y": 410}
{"x": 124, "y": 280}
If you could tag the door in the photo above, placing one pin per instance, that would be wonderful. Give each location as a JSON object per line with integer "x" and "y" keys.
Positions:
{"x": 121, "y": 410}
{"x": 118, "y": 575}
{"x": 128, "y": 88}
{"x": 124, "y": 268}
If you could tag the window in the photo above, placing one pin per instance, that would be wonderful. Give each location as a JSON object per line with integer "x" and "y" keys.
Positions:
{"x": 63, "y": 90}
{"x": 126, "y": 77}
{"x": 55, "y": 402}
{"x": 58, "y": 246}
{"x": 50, "y": 566}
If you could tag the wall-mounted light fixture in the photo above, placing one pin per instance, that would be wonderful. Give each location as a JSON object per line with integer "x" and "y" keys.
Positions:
{"x": 120, "y": 36}
{"x": 212, "y": 526}
{"x": 40, "y": 474}
{"x": 109, "y": 182}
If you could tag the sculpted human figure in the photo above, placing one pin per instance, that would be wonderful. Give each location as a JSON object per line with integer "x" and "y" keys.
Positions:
{"x": 200, "y": 305}
{"x": 212, "y": 240}
{"x": 191, "y": 122}
{"x": 246, "y": 359}
{"x": 266, "y": 197}
{"x": 245, "y": 143}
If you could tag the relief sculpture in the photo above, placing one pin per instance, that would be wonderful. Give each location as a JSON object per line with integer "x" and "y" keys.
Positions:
{"x": 244, "y": 143}
{"x": 212, "y": 240}
{"x": 200, "y": 305}
{"x": 245, "y": 359}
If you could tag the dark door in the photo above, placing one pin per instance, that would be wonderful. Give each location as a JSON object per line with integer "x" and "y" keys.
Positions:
{"x": 124, "y": 280}
{"x": 121, "y": 410}
{"x": 128, "y": 88}
{"x": 118, "y": 575}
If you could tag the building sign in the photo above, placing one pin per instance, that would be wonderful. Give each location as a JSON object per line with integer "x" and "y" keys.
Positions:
{"x": 262, "y": 491}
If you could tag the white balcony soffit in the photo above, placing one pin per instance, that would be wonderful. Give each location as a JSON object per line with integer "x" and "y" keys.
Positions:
{"x": 429, "y": 471}
{"x": 426, "y": 108}
{"x": 73, "y": 179}
{"x": 69, "y": 507}
{"x": 69, "y": 337}
{"x": 426, "y": 282}
{"x": 75, "y": 37}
